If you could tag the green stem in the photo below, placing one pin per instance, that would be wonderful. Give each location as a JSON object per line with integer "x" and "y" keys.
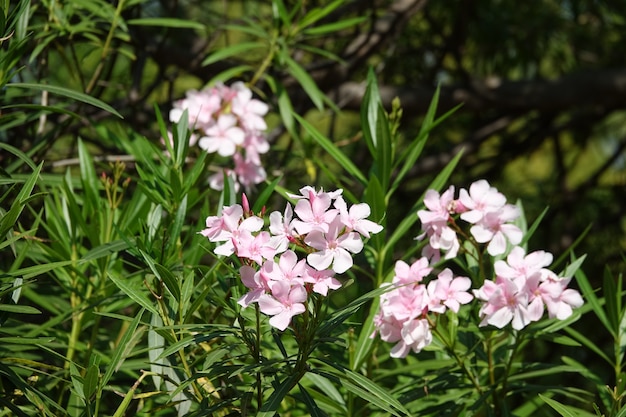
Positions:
{"x": 266, "y": 61}
{"x": 459, "y": 361}
{"x": 105, "y": 48}
{"x": 257, "y": 357}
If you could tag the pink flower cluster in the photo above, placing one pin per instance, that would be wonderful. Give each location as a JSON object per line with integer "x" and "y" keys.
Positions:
{"x": 522, "y": 290}
{"x": 321, "y": 225}
{"x": 403, "y": 315}
{"x": 229, "y": 122}
{"x": 483, "y": 206}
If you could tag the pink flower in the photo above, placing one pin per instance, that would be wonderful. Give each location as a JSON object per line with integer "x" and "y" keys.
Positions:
{"x": 284, "y": 302}
{"x": 554, "y": 294}
{"x": 449, "y": 291}
{"x": 333, "y": 249}
{"x": 481, "y": 199}
{"x": 322, "y": 280}
{"x": 249, "y": 110}
{"x": 288, "y": 268}
{"x": 519, "y": 267}
{"x": 416, "y": 336}
{"x": 219, "y": 228}
{"x": 201, "y": 107}
{"x": 494, "y": 228}
{"x": 229, "y": 228}
{"x": 405, "y": 274}
{"x": 223, "y": 137}
{"x": 248, "y": 172}
{"x": 256, "y": 248}
{"x": 503, "y": 304}
{"x": 281, "y": 228}
{"x": 355, "y": 218}
{"x": 435, "y": 225}
{"x": 438, "y": 212}
{"x": 256, "y": 282}
{"x": 314, "y": 211}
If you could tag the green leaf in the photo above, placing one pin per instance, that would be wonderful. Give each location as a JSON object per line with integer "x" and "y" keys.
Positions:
{"x": 19, "y": 309}
{"x": 88, "y": 177}
{"x": 166, "y": 22}
{"x": 231, "y": 73}
{"x": 8, "y": 220}
{"x": 560, "y": 408}
{"x": 305, "y": 80}
{"x": 134, "y": 293}
{"x": 591, "y": 298}
{"x": 364, "y": 344}
{"x": 335, "y": 26}
{"x": 119, "y": 354}
{"x": 66, "y": 92}
{"x": 375, "y": 198}
{"x": 409, "y": 220}
{"x": 371, "y": 392}
{"x": 369, "y": 113}
{"x": 384, "y": 161}
{"x": 271, "y": 405}
{"x": 163, "y": 274}
{"x": 261, "y": 200}
{"x": 335, "y": 152}
{"x": 311, "y": 406}
{"x": 90, "y": 382}
{"x": 317, "y": 13}
{"x": 106, "y": 250}
{"x": 239, "y": 49}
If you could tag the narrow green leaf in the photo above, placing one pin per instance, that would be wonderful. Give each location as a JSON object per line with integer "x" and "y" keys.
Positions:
{"x": 134, "y": 293}
{"x": 311, "y": 406}
{"x": 106, "y": 250}
{"x": 591, "y": 298}
{"x": 335, "y": 152}
{"x": 8, "y": 220}
{"x": 119, "y": 353}
{"x": 611, "y": 301}
{"x": 35, "y": 270}
{"x": 238, "y": 49}
{"x": 335, "y": 26}
{"x": 231, "y": 73}
{"x": 261, "y": 200}
{"x": 271, "y": 405}
{"x": 173, "y": 239}
{"x": 375, "y": 198}
{"x": 410, "y": 219}
{"x": 588, "y": 344}
{"x": 318, "y": 13}
{"x": 417, "y": 145}
{"x": 90, "y": 382}
{"x": 364, "y": 344}
{"x": 163, "y": 274}
{"x": 369, "y": 113}
{"x": 305, "y": 80}
{"x": 66, "y": 92}
{"x": 166, "y": 22}
{"x": 19, "y": 309}
{"x": 560, "y": 408}
{"x": 383, "y": 165}
{"x": 326, "y": 387}
{"x": 88, "y": 177}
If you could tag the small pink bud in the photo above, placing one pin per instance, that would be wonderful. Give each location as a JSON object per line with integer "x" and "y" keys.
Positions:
{"x": 245, "y": 204}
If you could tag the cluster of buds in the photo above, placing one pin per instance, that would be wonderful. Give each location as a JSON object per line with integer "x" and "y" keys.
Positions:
{"x": 321, "y": 225}
{"x": 230, "y": 122}
{"x": 520, "y": 292}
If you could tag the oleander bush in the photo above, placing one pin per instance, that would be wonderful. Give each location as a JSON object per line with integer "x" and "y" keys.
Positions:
{"x": 222, "y": 255}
